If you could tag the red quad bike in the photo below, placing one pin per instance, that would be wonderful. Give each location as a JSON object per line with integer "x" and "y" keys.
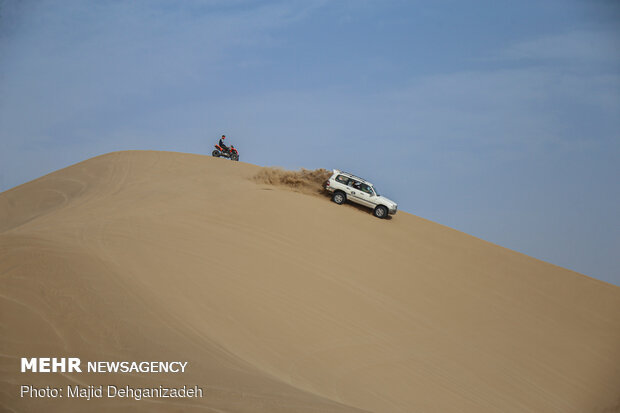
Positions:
{"x": 231, "y": 154}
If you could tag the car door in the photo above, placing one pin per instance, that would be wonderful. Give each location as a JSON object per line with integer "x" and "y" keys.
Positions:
{"x": 350, "y": 190}
{"x": 342, "y": 182}
{"x": 356, "y": 194}
{"x": 365, "y": 195}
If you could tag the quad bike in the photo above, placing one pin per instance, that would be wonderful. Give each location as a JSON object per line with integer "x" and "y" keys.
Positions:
{"x": 231, "y": 153}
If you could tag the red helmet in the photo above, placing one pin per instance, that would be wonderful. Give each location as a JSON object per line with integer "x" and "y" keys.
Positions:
{"x": 223, "y": 136}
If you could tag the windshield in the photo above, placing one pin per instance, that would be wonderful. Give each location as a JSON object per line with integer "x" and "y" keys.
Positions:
{"x": 375, "y": 190}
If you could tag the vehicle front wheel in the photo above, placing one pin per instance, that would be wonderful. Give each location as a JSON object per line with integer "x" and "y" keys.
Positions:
{"x": 380, "y": 211}
{"x": 216, "y": 153}
{"x": 234, "y": 157}
{"x": 339, "y": 198}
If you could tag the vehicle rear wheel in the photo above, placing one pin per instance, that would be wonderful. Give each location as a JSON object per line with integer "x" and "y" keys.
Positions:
{"x": 339, "y": 197}
{"x": 216, "y": 153}
{"x": 380, "y": 211}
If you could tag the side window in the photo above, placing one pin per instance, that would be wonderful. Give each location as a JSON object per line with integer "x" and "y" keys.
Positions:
{"x": 342, "y": 179}
{"x": 355, "y": 184}
{"x": 366, "y": 189}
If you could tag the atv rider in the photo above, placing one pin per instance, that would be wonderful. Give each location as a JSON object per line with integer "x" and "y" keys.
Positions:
{"x": 223, "y": 145}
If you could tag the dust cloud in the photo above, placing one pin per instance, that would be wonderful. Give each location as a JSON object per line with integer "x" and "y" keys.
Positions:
{"x": 304, "y": 180}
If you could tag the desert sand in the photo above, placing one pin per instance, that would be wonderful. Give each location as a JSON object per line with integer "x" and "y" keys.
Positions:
{"x": 282, "y": 301}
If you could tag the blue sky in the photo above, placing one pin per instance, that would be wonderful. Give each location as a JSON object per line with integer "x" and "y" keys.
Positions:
{"x": 497, "y": 118}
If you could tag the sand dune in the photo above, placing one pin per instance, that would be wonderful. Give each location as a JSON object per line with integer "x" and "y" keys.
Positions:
{"x": 282, "y": 301}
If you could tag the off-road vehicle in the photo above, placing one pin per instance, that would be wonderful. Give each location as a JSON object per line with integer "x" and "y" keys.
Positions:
{"x": 345, "y": 186}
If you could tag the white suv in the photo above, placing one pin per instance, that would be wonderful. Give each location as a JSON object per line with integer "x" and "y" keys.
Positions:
{"x": 345, "y": 186}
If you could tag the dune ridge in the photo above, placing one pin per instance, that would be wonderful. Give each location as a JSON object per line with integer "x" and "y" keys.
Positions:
{"x": 284, "y": 302}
